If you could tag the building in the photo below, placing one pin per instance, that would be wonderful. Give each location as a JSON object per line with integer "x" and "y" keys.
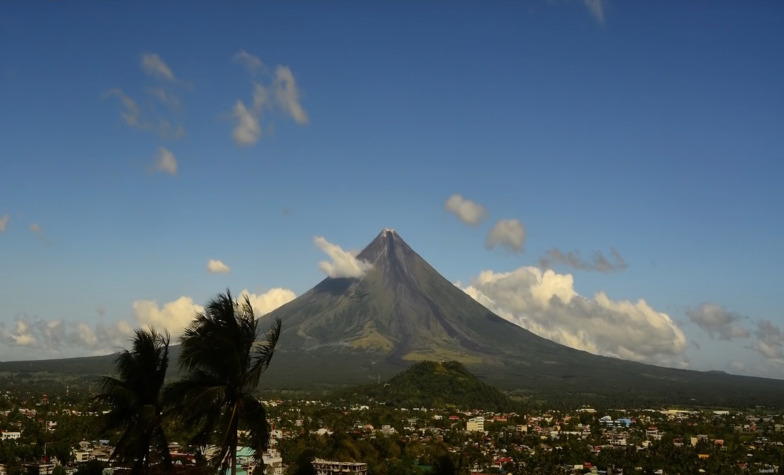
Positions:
{"x": 476, "y": 424}
{"x": 331, "y": 467}
{"x": 6, "y": 435}
{"x": 273, "y": 462}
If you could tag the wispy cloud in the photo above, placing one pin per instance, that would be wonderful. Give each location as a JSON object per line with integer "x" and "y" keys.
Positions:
{"x": 279, "y": 94}
{"x": 343, "y": 263}
{"x": 165, "y": 97}
{"x": 596, "y": 8}
{"x": 153, "y": 65}
{"x": 248, "y": 129}
{"x": 4, "y": 222}
{"x": 718, "y": 322}
{"x": 507, "y": 233}
{"x": 216, "y": 266}
{"x": 131, "y": 112}
{"x": 573, "y": 259}
{"x": 287, "y": 95}
{"x": 35, "y": 228}
{"x": 467, "y": 211}
{"x": 166, "y": 162}
{"x": 253, "y": 64}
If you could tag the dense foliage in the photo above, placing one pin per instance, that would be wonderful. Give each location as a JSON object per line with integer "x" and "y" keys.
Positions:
{"x": 435, "y": 385}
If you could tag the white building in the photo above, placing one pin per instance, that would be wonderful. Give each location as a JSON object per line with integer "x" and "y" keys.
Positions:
{"x": 476, "y": 424}
{"x": 7, "y": 435}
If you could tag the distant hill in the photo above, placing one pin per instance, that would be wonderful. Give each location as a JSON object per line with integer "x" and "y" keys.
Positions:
{"x": 435, "y": 385}
{"x": 350, "y": 331}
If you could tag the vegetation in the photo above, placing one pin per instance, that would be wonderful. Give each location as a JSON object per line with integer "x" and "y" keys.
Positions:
{"x": 135, "y": 401}
{"x": 432, "y": 384}
{"x": 215, "y": 396}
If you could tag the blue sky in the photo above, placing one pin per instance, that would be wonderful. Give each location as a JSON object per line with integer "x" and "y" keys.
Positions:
{"x": 614, "y": 168}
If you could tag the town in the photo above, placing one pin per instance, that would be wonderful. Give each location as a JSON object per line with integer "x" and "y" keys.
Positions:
{"x": 59, "y": 435}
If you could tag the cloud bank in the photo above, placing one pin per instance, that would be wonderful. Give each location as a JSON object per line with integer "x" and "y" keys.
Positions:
{"x": 467, "y": 211}
{"x": 50, "y": 338}
{"x": 60, "y": 338}
{"x": 546, "y": 303}
{"x": 343, "y": 263}
{"x": 507, "y": 233}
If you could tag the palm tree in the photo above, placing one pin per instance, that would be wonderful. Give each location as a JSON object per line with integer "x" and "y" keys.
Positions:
{"x": 223, "y": 360}
{"x": 135, "y": 401}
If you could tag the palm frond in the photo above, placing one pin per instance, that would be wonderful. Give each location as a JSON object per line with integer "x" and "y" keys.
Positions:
{"x": 262, "y": 354}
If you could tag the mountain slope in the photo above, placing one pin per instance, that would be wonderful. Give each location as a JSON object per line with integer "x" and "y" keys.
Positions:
{"x": 405, "y": 310}
{"x": 347, "y": 331}
{"x": 355, "y": 330}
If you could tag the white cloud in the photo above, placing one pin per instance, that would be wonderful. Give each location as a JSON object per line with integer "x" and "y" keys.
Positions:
{"x": 718, "y": 322}
{"x": 287, "y": 95}
{"x": 59, "y": 338}
{"x": 4, "y": 223}
{"x": 173, "y": 316}
{"x": 268, "y": 301}
{"x": 55, "y": 337}
{"x": 215, "y": 266}
{"x": 508, "y": 233}
{"x": 573, "y": 259}
{"x": 546, "y": 303}
{"x": 252, "y": 63}
{"x": 153, "y": 65}
{"x": 248, "y": 129}
{"x": 467, "y": 211}
{"x": 166, "y": 162}
{"x": 132, "y": 114}
{"x": 344, "y": 263}
{"x": 596, "y": 8}
{"x": 770, "y": 341}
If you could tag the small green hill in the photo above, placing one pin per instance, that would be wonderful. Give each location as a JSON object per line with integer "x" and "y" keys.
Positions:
{"x": 437, "y": 385}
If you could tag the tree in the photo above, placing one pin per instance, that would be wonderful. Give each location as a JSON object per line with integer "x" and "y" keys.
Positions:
{"x": 223, "y": 360}
{"x": 135, "y": 401}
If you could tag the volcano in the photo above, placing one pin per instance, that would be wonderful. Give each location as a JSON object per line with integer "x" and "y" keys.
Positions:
{"x": 402, "y": 311}
{"x": 348, "y": 331}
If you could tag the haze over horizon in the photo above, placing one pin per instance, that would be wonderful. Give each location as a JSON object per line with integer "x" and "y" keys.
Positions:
{"x": 604, "y": 174}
